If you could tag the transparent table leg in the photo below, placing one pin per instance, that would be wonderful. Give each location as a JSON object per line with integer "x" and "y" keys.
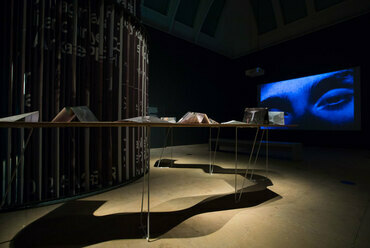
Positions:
{"x": 236, "y": 161}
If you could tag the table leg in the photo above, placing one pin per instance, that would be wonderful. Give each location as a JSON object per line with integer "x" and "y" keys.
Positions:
{"x": 257, "y": 154}
{"x": 249, "y": 162}
{"x": 164, "y": 146}
{"x": 214, "y": 153}
{"x": 148, "y": 216}
{"x": 210, "y": 151}
{"x": 236, "y": 160}
{"x": 267, "y": 152}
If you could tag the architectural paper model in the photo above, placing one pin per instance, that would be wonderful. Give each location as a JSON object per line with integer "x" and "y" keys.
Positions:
{"x": 233, "y": 122}
{"x": 146, "y": 119}
{"x": 68, "y": 114}
{"x": 26, "y": 117}
{"x": 169, "y": 119}
{"x": 256, "y": 116}
{"x": 196, "y": 118}
{"x": 276, "y": 118}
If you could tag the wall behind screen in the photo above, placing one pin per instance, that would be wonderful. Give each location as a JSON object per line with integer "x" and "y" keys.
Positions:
{"x": 338, "y": 47}
{"x": 185, "y": 77}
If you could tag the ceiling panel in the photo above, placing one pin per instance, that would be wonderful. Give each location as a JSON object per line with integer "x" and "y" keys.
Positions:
{"x": 238, "y": 27}
{"x": 211, "y": 22}
{"x": 187, "y": 11}
{"x": 293, "y": 10}
{"x": 324, "y": 4}
{"x": 264, "y": 14}
{"x": 160, "y": 6}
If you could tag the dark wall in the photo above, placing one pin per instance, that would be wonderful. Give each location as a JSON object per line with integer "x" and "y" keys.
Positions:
{"x": 184, "y": 77}
{"x": 341, "y": 46}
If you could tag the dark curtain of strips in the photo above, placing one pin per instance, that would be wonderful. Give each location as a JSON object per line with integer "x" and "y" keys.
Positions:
{"x": 65, "y": 53}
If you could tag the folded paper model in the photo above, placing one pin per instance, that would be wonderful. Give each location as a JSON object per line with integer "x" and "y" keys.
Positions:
{"x": 81, "y": 113}
{"x": 256, "y": 116}
{"x": 26, "y": 117}
{"x": 276, "y": 118}
{"x": 169, "y": 119}
{"x": 145, "y": 119}
{"x": 196, "y": 118}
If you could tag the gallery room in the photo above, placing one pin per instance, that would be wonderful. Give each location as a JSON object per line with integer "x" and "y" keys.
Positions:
{"x": 185, "y": 123}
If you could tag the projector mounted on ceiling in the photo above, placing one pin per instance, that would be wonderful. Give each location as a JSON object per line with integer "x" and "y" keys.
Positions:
{"x": 255, "y": 72}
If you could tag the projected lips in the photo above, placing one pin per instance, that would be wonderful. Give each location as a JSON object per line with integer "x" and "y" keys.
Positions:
{"x": 324, "y": 101}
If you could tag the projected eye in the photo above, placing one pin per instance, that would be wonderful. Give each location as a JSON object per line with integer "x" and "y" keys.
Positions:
{"x": 334, "y": 99}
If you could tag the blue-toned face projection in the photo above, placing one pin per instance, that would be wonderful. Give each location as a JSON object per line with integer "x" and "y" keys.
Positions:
{"x": 324, "y": 101}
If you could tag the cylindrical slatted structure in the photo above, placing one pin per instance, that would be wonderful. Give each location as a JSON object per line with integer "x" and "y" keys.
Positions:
{"x": 65, "y": 53}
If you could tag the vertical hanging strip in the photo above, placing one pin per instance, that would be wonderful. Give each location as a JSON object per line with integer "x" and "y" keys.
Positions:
{"x": 142, "y": 82}
{"x": 50, "y": 99}
{"x": 34, "y": 92}
{"x": 100, "y": 89}
{"x": 77, "y": 131}
{"x": 119, "y": 116}
{"x": 46, "y": 100}
{"x": 41, "y": 82}
{"x": 87, "y": 99}
{"x": 132, "y": 95}
{"x": 110, "y": 93}
{"x": 74, "y": 94}
{"x": 23, "y": 73}
{"x": 95, "y": 91}
{"x": 15, "y": 100}
{"x": 57, "y": 106}
{"x": 146, "y": 105}
{"x": 10, "y": 99}
{"x": 127, "y": 98}
{"x": 18, "y": 104}
{"x": 68, "y": 179}
{"x": 139, "y": 101}
{"x": 136, "y": 100}
{"x": 61, "y": 133}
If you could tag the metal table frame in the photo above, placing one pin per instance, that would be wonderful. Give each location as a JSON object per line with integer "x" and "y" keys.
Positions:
{"x": 149, "y": 126}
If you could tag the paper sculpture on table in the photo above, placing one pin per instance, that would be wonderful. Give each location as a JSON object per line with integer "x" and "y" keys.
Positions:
{"x": 276, "y": 118}
{"x": 68, "y": 114}
{"x": 26, "y": 117}
{"x": 145, "y": 119}
{"x": 169, "y": 119}
{"x": 196, "y": 118}
{"x": 256, "y": 116}
{"x": 233, "y": 122}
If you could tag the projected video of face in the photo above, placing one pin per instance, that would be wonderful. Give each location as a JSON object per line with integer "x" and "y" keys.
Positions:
{"x": 324, "y": 101}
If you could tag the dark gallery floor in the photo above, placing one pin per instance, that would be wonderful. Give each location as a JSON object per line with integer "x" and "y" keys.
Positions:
{"x": 319, "y": 201}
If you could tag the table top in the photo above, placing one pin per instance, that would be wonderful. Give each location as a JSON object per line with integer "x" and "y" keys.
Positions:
{"x": 125, "y": 124}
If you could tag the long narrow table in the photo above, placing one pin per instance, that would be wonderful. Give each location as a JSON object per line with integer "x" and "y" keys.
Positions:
{"x": 149, "y": 125}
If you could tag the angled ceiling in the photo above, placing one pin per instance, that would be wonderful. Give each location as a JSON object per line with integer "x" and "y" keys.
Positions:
{"x": 235, "y": 28}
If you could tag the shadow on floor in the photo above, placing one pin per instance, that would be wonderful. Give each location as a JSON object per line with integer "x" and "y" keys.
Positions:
{"x": 170, "y": 163}
{"x": 74, "y": 224}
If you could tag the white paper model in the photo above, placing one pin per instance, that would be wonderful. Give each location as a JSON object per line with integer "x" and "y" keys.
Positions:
{"x": 276, "y": 118}
{"x": 145, "y": 119}
{"x": 169, "y": 119}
